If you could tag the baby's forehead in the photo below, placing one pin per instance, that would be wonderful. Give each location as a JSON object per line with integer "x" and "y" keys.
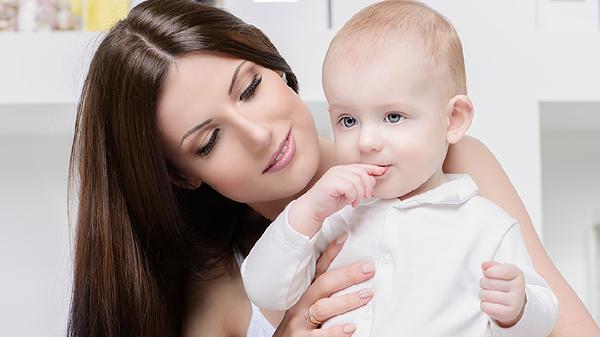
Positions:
{"x": 371, "y": 42}
{"x": 357, "y": 52}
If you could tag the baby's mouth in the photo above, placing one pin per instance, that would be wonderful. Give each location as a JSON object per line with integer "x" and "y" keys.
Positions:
{"x": 387, "y": 168}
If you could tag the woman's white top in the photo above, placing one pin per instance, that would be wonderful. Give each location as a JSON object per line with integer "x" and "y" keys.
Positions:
{"x": 259, "y": 326}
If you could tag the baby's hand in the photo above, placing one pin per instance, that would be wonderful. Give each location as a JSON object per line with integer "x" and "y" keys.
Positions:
{"x": 502, "y": 292}
{"x": 339, "y": 186}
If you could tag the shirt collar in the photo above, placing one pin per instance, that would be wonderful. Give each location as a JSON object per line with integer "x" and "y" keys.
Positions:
{"x": 457, "y": 189}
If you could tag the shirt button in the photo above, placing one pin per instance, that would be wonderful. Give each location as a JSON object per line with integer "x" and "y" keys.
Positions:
{"x": 385, "y": 258}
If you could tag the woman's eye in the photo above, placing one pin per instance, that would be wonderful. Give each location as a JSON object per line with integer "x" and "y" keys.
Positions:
{"x": 205, "y": 149}
{"x": 348, "y": 122}
{"x": 394, "y": 117}
{"x": 251, "y": 88}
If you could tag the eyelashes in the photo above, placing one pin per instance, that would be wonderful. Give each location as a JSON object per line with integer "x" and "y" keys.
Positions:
{"x": 348, "y": 121}
{"x": 205, "y": 150}
{"x": 251, "y": 88}
{"x": 394, "y": 118}
{"x": 391, "y": 118}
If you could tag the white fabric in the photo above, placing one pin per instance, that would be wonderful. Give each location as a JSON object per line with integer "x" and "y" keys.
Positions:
{"x": 258, "y": 326}
{"x": 427, "y": 249}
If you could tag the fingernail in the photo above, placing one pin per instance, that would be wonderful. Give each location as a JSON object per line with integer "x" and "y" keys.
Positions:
{"x": 365, "y": 293}
{"x": 368, "y": 268}
{"x": 342, "y": 238}
{"x": 349, "y": 328}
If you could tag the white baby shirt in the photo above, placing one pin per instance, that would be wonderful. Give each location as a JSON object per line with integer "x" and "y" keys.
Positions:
{"x": 427, "y": 249}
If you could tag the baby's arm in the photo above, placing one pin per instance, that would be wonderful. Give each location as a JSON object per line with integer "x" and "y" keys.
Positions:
{"x": 470, "y": 156}
{"x": 339, "y": 186}
{"x": 281, "y": 265}
{"x": 518, "y": 300}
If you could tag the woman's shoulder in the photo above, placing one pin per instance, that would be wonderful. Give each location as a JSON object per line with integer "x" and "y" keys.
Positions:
{"x": 217, "y": 308}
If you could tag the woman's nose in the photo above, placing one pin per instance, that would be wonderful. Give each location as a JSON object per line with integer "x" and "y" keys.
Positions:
{"x": 256, "y": 134}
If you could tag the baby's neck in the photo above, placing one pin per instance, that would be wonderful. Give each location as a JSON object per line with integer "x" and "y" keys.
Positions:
{"x": 437, "y": 179}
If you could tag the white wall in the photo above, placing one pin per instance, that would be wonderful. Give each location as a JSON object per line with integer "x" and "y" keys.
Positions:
{"x": 571, "y": 188}
{"x": 44, "y": 67}
{"x": 34, "y": 244}
{"x": 568, "y": 15}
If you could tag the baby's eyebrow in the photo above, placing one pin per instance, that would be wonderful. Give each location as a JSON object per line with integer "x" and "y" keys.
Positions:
{"x": 396, "y": 106}
{"x": 337, "y": 106}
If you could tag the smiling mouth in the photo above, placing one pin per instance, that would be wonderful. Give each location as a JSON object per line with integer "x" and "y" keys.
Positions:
{"x": 284, "y": 154}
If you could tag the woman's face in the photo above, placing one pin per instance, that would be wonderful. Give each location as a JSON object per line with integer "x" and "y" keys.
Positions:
{"x": 237, "y": 127}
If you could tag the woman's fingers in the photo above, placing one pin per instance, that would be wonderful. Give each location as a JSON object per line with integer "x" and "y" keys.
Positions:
{"x": 336, "y": 331}
{"x": 295, "y": 323}
{"x": 328, "y": 307}
{"x": 329, "y": 254}
{"x": 338, "y": 279}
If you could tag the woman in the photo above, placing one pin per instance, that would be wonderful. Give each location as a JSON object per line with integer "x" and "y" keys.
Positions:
{"x": 177, "y": 153}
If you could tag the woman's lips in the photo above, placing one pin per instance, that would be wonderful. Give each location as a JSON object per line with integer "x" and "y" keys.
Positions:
{"x": 284, "y": 154}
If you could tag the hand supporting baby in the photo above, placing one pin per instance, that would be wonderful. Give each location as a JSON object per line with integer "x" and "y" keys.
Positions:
{"x": 339, "y": 186}
{"x": 502, "y": 292}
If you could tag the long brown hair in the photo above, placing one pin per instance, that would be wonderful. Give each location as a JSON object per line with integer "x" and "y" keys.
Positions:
{"x": 138, "y": 237}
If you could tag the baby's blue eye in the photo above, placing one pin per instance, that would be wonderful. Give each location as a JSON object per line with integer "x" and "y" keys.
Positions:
{"x": 394, "y": 117}
{"x": 348, "y": 122}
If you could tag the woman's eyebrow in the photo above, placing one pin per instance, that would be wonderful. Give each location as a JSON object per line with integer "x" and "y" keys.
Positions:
{"x": 199, "y": 126}
{"x": 192, "y": 130}
{"x": 234, "y": 77}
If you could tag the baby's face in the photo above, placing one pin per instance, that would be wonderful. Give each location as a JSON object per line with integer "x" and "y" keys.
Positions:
{"x": 386, "y": 110}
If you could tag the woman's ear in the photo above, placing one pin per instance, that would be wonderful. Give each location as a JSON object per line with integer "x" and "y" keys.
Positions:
{"x": 460, "y": 116}
{"x": 180, "y": 180}
{"x": 185, "y": 183}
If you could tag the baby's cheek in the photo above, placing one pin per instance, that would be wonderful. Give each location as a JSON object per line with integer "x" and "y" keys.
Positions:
{"x": 428, "y": 157}
{"x": 345, "y": 154}
{"x": 417, "y": 157}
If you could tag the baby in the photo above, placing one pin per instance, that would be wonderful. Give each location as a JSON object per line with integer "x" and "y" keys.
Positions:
{"x": 448, "y": 262}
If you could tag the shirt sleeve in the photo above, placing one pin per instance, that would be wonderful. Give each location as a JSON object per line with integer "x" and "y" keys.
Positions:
{"x": 282, "y": 263}
{"x": 541, "y": 308}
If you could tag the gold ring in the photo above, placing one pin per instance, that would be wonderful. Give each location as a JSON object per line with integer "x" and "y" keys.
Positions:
{"x": 310, "y": 318}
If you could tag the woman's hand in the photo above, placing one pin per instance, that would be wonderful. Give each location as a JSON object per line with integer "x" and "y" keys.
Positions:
{"x": 317, "y": 298}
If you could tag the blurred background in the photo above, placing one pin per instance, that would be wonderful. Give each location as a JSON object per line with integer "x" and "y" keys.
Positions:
{"x": 533, "y": 74}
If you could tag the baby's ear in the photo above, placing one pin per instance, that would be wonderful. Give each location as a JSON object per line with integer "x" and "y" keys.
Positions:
{"x": 460, "y": 115}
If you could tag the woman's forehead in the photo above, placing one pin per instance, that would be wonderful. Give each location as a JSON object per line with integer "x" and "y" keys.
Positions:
{"x": 194, "y": 76}
{"x": 205, "y": 68}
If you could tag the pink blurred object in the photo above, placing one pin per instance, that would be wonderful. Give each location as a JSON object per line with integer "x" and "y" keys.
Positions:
{"x": 48, "y": 15}
{"x": 8, "y": 14}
